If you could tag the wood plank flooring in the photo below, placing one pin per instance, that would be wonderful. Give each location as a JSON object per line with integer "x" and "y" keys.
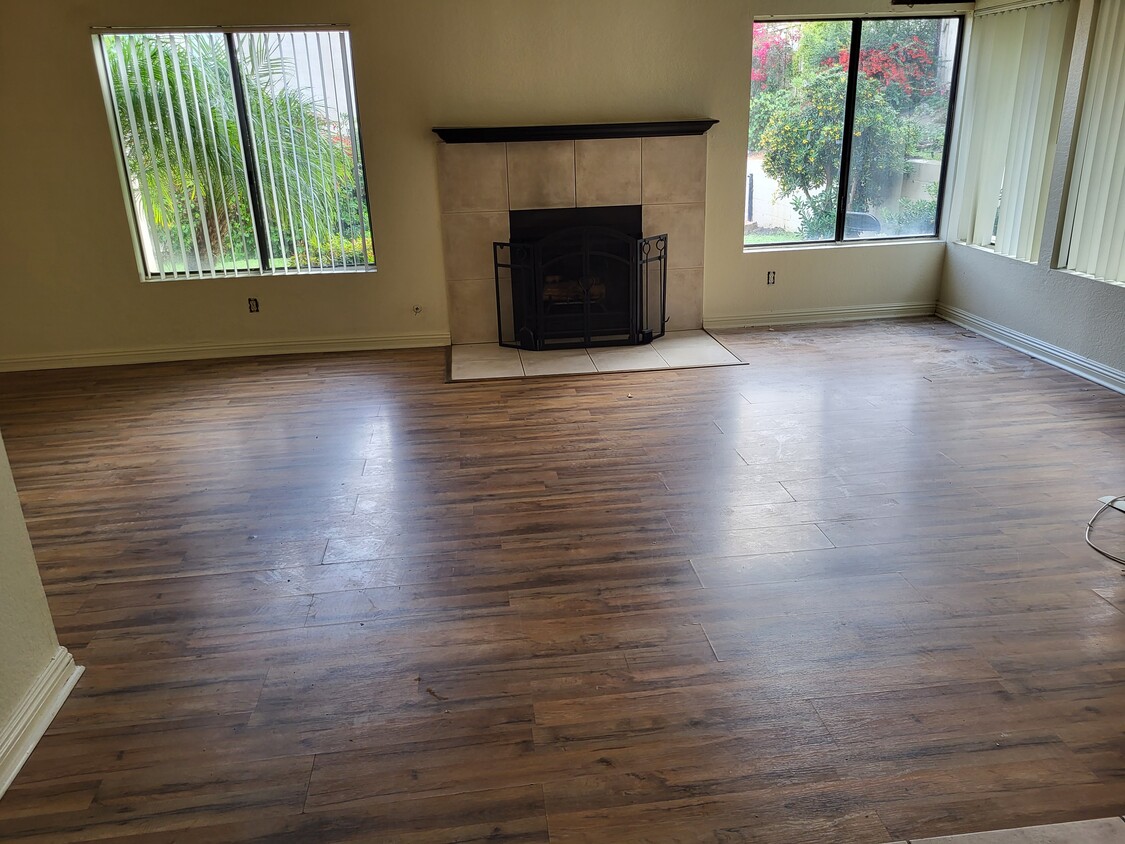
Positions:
{"x": 838, "y": 595}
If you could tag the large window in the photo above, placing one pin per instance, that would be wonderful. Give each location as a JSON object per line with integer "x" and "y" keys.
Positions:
{"x": 241, "y": 151}
{"x": 1094, "y": 236}
{"x": 849, "y": 128}
{"x": 1008, "y": 128}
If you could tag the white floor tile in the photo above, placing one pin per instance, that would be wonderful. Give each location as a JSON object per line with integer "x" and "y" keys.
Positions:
{"x": 484, "y": 361}
{"x": 693, "y": 348}
{"x": 557, "y": 362}
{"x": 473, "y": 352}
{"x": 627, "y": 359}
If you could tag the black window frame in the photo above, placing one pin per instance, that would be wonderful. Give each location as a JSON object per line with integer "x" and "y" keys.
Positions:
{"x": 849, "y": 126}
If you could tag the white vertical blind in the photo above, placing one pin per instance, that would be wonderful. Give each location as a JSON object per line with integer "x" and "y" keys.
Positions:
{"x": 184, "y": 165}
{"x": 302, "y": 117}
{"x": 1009, "y": 127}
{"x": 1094, "y": 232}
{"x": 210, "y": 159}
{"x": 250, "y": 166}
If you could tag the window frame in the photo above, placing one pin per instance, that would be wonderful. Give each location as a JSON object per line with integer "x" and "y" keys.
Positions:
{"x": 848, "y": 128}
{"x": 259, "y": 219}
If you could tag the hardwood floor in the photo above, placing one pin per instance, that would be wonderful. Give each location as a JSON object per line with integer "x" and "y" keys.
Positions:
{"x": 838, "y": 595}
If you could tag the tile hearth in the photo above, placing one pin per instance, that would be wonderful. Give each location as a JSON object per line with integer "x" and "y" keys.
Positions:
{"x": 675, "y": 350}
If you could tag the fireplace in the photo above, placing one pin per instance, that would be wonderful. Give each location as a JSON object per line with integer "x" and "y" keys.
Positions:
{"x": 485, "y": 174}
{"x": 580, "y": 278}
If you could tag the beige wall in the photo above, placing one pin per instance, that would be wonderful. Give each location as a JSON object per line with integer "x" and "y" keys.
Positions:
{"x": 812, "y": 282}
{"x": 27, "y": 636}
{"x": 70, "y": 286}
{"x": 1077, "y": 316}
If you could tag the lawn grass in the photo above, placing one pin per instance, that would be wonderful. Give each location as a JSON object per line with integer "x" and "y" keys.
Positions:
{"x": 757, "y": 239}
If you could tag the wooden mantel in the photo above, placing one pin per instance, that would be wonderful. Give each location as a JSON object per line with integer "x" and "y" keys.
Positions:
{"x": 572, "y": 131}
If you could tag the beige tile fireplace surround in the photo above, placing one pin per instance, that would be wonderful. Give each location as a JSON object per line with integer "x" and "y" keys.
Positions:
{"x": 481, "y": 182}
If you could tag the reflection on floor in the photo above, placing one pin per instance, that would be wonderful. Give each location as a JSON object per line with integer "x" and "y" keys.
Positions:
{"x": 675, "y": 350}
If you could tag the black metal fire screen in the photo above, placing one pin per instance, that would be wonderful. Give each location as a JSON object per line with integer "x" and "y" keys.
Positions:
{"x": 581, "y": 287}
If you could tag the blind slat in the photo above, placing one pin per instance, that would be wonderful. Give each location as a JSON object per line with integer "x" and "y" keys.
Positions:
{"x": 240, "y": 188}
{"x": 353, "y": 134}
{"x": 328, "y": 221}
{"x": 162, "y": 177}
{"x": 290, "y": 226}
{"x": 291, "y": 167}
{"x": 148, "y": 248}
{"x": 1025, "y": 128}
{"x": 179, "y": 197}
{"x": 199, "y": 159}
{"x": 317, "y": 235}
{"x": 334, "y": 109}
{"x": 271, "y": 205}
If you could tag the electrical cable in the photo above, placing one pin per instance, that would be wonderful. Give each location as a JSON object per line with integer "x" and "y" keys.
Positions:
{"x": 1090, "y": 524}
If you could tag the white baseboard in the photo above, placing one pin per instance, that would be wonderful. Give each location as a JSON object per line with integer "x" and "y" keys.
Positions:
{"x": 230, "y": 350}
{"x": 34, "y": 714}
{"x": 1084, "y": 367}
{"x": 844, "y": 314}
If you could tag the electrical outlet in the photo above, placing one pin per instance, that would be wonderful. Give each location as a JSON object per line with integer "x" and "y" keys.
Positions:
{"x": 253, "y": 303}
{"x": 771, "y": 277}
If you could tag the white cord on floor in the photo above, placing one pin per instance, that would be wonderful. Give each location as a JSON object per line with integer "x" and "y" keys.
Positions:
{"x": 1090, "y": 524}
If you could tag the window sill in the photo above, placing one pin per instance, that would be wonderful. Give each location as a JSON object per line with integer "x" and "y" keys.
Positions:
{"x": 259, "y": 276}
{"x": 827, "y": 245}
{"x": 987, "y": 250}
{"x": 1087, "y": 277}
{"x": 991, "y": 250}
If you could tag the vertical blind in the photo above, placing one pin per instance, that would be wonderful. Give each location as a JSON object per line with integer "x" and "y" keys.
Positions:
{"x": 1009, "y": 127}
{"x": 241, "y": 151}
{"x": 1094, "y": 233}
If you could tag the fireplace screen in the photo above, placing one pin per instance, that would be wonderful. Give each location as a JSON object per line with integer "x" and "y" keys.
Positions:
{"x": 581, "y": 287}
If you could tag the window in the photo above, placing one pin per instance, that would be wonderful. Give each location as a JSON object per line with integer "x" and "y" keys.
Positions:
{"x": 849, "y": 127}
{"x": 241, "y": 151}
{"x": 1009, "y": 127}
{"x": 1094, "y": 234}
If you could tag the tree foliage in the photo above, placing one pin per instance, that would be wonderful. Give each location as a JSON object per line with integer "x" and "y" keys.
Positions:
{"x": 802, "y": 139}
{"x": 772, "y": 66}
{"x": 821, "y": 43}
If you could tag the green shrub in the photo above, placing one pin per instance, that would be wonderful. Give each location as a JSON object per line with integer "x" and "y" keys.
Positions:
{"x": 333, "y": 251}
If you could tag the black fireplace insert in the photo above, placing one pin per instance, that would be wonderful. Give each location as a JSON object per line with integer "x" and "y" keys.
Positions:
{"x": 579, "y": 278}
